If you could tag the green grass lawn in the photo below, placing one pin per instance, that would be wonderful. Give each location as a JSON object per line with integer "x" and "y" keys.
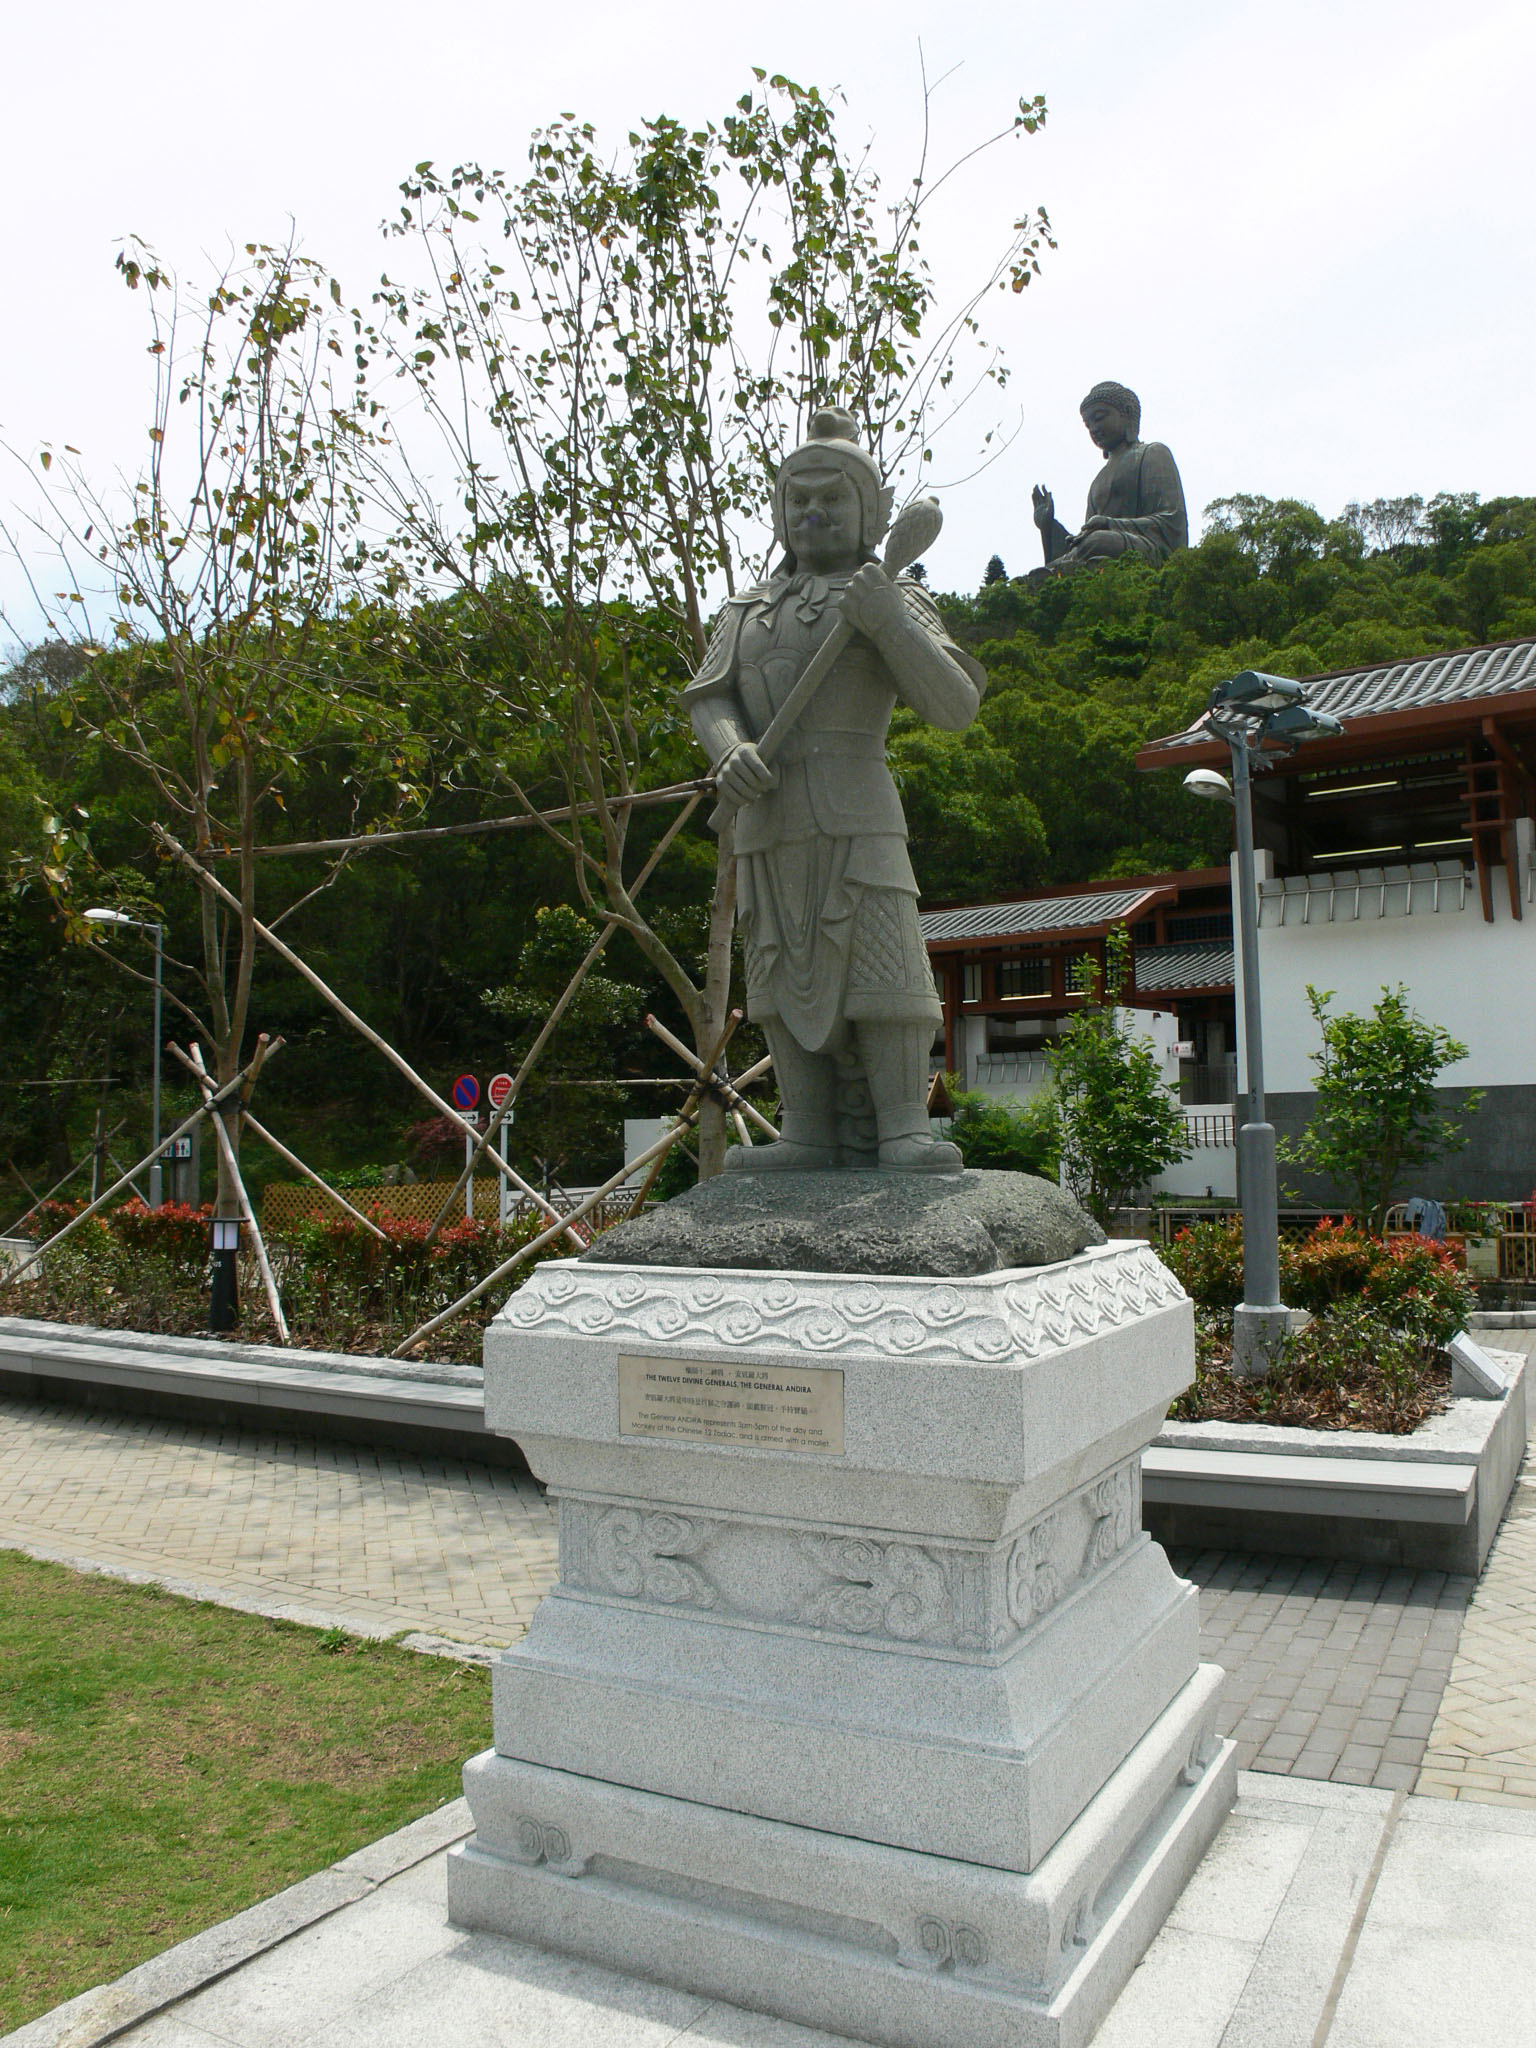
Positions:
{"x": 165, "y": 1763}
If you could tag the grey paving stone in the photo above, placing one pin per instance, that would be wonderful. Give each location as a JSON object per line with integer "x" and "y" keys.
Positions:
{"x": 1341, "y": 1657}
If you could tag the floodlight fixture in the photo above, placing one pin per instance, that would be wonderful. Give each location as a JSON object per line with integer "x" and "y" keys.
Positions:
{"x": 1298, "y": 722}
{"x": 1208, "y": 783}
{"x": 1255, "y": 691}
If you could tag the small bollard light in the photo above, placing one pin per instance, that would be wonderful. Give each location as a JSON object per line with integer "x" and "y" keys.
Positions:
{"x": 224, "y": 1293}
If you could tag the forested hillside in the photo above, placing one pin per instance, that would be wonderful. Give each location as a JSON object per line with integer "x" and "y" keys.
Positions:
{"x": 1084, "y": 670}
{"x": 441, "y": 947}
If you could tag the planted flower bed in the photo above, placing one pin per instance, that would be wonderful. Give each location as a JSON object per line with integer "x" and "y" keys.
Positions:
{"x": 342, "y": 1288}
{"x": 1373, "y": 1358}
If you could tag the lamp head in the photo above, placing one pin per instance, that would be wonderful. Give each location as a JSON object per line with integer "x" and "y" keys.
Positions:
{"x": 1207, "y": 783}
{"x": 1298, "y": 722}
{"x": 1255, "y": 691}
{"x": 109, "y": 917}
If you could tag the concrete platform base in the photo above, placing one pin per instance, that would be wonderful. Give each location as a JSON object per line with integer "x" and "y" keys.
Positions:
{"x": 882, "y": 1944}
{"x": 1323, "y": 1914}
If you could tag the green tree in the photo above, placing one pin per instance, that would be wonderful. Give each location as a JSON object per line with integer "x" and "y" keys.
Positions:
{"x": 1119, "y": 1124}
{"x": 1378, "y": 1118}
{"x": 218, "y": 673}
{"x": 612, "y": 374}
{"x": 559, "y": 1124}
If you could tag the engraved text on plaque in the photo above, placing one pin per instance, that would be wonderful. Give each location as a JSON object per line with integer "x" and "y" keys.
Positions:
{"x": 775, "y": 1408}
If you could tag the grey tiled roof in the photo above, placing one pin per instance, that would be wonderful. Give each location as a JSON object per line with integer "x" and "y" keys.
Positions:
{"x": 1184, "y": 967}
{"x": 1468, "y": 675}
{"x": 1036, "y": 916}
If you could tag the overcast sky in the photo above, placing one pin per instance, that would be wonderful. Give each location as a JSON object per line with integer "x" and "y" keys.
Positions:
{"x": 1302, "y": 233}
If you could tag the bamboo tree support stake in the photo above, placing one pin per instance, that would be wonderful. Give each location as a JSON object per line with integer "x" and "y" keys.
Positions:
{"x": 397, "y": 1060}
{"x": 84, "y": 1160}
{"x": 656, "y": 1152}
{"x": 170, "y": 1138}
{"x": 498, "y": 1117}
{"x": 205, "y": 1082}
{"x": 537, "y": 1244}
{"x": 293, "y": 1159}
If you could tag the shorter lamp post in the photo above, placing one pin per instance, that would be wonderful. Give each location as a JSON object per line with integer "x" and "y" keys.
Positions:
{"x": 1250, "y": 712}
{"x": 224, "y": 1294}
{"x": 144, "y": 924}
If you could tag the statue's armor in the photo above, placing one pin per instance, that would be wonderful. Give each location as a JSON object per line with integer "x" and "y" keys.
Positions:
{"x": 826, "y": 897}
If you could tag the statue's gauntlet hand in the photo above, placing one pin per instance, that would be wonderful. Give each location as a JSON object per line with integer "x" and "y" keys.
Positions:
{"x": 742, "y": 775}
{"x": 873, "y": 605}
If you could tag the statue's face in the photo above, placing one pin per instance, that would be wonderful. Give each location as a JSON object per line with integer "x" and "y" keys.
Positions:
{"x": 822, "y": 520}
{"x": 1107, "y": 425}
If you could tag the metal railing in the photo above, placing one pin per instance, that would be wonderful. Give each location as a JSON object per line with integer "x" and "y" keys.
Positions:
{"x": 1210, "y": 1129}
{"x": 1199, "y": 1083}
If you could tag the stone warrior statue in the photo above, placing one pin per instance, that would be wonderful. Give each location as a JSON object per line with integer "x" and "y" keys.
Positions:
{"x": 837, "y": 973}
{"x": 1135, "y": 503}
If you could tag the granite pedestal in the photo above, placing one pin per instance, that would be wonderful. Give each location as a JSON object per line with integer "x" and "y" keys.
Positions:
{"x": 862, "y": 1698}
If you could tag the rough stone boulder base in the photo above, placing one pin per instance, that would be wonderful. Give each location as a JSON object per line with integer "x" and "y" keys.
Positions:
{"x": 945, "y": 1226}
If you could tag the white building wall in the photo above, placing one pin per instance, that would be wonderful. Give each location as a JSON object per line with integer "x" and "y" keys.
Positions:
{"x": 1476, "y": 979}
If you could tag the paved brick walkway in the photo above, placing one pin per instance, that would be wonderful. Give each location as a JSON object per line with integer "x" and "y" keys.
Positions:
{"x": 1337, "y": 1670}
{"x": 1483, "y": 1745}
{"x": 375, "y": 1541}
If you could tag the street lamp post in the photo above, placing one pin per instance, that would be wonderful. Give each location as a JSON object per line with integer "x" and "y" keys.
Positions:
{"x": 1248, "y": 712}
{"x": 144, "y": 924}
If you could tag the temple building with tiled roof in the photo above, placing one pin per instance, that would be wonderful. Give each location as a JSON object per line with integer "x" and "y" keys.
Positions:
{"x": 1401, "y": 851}
{"x": 1398, "y": 851}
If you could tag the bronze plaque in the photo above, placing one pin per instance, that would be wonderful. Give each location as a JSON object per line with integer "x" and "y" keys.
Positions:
{"x": 697, "y": 1400}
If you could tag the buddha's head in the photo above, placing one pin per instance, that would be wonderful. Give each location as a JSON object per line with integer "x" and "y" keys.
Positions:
{"x": 1112, "y": 414}
{"x": 830, "y": 505}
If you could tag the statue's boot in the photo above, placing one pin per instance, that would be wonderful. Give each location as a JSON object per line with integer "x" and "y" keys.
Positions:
{"x": 807, "y": 1141}
{"x": 896, "y": 1063}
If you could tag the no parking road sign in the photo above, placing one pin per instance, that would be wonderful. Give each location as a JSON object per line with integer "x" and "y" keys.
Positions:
{"x": 466, "y": 1092}
{"x": 499, "y": 1090}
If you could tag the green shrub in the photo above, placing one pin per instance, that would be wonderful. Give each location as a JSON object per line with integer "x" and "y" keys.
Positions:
{"x": 1008, "y": 1137}
{"x": 1207, "y": 1262}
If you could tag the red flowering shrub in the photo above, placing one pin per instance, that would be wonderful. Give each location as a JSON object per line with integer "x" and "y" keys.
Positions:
{"x": 176, "y": 1232}
{"x": 1207, "y": 1261}
{"x": 1412, "y": 1283}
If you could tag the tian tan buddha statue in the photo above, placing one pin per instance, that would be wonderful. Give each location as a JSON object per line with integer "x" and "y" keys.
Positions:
{"x": 1135, "y": 503}
{"x": 837, "y": 972}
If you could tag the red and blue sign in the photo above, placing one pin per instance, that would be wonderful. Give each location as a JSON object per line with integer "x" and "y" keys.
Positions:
{"x": 466, "y": 1092}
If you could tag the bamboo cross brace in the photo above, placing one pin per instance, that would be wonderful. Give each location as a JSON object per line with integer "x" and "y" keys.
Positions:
{"x": 688, "y": 1115}
{"x": 181, "y": 1129}
{"x": 370, "y": 842}
{"x": 537, "y": 1244}
{"x": 717, "y": 1084}
{"x": 500, "y": 1116}
{"x": 293, "y": 1159}
{"x": 194, "y": 1061}
{"x": 83, "y": 1161}
{"x": 343, "y": 1010}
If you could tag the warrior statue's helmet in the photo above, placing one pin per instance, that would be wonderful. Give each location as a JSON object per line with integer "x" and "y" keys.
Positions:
{"x": 832, "y": 443}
